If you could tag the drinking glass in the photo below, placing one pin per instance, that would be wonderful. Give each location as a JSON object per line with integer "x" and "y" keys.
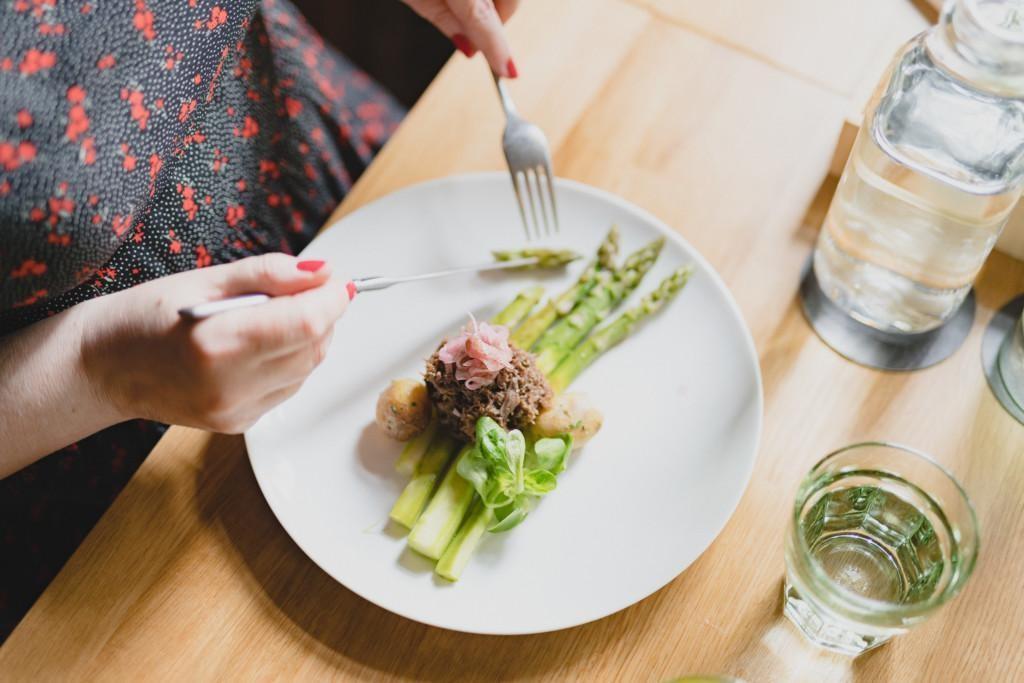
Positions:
{"x": 881, "y": 537}
{"x": 1011, "y": 364}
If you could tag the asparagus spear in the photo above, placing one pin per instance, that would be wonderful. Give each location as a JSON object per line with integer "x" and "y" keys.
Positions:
{"x": 564, "y": 335}
{"x": 414, "y": 449}
{"x": 613, "y": 333}
{"x": 546, "y": 258}
{"x": 462, "y": 547}
{"x": 519, "y": 308}
{"x": 434, "y": 529}
{"x": 534, "y": 326}
{"x": 414, "y": 497}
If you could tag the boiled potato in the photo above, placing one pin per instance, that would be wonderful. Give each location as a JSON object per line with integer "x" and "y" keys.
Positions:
{"x": 573, "y": 414}
{"x": 403, "y": 409}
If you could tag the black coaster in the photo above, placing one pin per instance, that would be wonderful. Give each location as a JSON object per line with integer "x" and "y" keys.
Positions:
{"x": 876, "y": 349}
{"x": 997, "y": 332}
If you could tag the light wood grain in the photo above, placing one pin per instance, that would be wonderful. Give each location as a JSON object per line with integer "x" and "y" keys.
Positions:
{"x": 189, "y": 576}
{"x": 840, "y": 45}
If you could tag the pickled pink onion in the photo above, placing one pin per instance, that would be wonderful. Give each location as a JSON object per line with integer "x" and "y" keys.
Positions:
{"x": 478, "y": 354}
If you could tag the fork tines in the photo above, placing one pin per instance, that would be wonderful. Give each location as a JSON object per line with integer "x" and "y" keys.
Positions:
{"x": 538, "y": 185}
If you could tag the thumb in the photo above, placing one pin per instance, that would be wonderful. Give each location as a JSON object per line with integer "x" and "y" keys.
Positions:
{"x": 274, "y": 274}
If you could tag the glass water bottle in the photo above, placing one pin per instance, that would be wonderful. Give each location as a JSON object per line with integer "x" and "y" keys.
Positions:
{"x": 934, "y": 173}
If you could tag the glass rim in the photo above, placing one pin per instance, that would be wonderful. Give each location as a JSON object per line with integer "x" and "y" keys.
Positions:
{"x": 870, "y": 610}
{"x": 997, "y": 31}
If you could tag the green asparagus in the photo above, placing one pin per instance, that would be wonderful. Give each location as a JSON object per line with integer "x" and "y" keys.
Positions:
{"x": 611, "y": 289}
{"x": 534, "y": 326}
{"x": 546, "y": 258}
{"x": 519, "y": 308}
{"x": 417, "y": 492}
{"x": 437, "y": 525}
{"x": 613, "y": 333}
{"x": 414, "y": 449}
{"x": 462, "y": 547}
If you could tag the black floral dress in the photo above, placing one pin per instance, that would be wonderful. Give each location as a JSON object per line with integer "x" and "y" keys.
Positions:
{"x": 140, "y": 138}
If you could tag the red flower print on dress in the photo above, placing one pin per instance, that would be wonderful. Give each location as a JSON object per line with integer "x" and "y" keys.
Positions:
{"x": 196, "y": 137}
{"x": 35, "y": 61}
{"x": 235, "y": 213}
{"x": 106, "y": 62}
{"x": 292, "y": 106}
{"x": 13, "y": 155}
{"x": 186, "y": 109}
{"x": 121, "y": 223}
{"x": 220, "y": 160}
{"x": 155, "y": 164}
{"x": 373, "y": 133}
{"x": 128, "y": 161}
{"x": 87, "y": 155}
{"x": 39, "y": 7}
{"x": 78, "y": 120}
{"x": 269, "y": 169}
{"x": 174, "y": 246}
{"x": 59, "y": 207}
{"x": 250, "y": 128}
{"x": 173, "y": 58}
{"x": 24, "y": 118}
{"x": 143, "y": 20}
{"x": 188, "y": 202}
{"x": 217, "y": 18}
{"x": 29, "y": 267}
{"x": 38, "y": 295}
{"x": 203, "y": 257}
{"x": 137, "y": 106}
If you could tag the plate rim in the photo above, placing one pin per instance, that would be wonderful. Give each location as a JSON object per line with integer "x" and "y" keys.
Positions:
{"x": 733, "y": 309}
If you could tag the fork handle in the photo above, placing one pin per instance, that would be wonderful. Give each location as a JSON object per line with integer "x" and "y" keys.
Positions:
{"x": 506, "y": 100}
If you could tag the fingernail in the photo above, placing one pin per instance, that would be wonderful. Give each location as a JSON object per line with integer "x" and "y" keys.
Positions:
{"x": 310, "y": 266}
{"x": 350, "y": 287}
{"x": 463, "y": 44}
{"x": 510, "y": 69}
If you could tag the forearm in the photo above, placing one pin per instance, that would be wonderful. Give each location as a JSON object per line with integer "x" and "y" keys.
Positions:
{"x": 46, "y": 399}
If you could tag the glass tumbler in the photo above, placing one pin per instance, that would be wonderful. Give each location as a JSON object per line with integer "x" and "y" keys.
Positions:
{"x": 881, "y": 537}
{"x": 1011, "y": 364}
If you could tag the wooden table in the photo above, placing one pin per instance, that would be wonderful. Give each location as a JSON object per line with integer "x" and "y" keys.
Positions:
{"x": 720, "y": 118}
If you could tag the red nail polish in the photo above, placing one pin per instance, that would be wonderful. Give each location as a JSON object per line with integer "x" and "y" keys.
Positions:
{"x": 310, "y": 266}
{"x": 350, "y": 287}
{"x": 510, "y": 68}
{"x": 463, "y": 44}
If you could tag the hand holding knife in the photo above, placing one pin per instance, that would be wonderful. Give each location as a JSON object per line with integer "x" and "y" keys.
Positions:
{"x": 541, "y": 258}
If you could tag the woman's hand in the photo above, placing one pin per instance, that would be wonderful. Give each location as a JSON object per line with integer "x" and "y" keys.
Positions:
{"x": 223, "y": 372}
{"x": 473, "y": 25}
{"x": 130, "y": 355}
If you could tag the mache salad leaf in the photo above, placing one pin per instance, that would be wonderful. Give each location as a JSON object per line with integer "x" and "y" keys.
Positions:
{"x": 509, "y": 474}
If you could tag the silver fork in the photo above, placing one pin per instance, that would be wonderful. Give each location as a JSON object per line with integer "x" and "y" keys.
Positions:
{"x": 529, "y": 163}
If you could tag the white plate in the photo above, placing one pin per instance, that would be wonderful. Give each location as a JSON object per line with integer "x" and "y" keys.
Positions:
{"x": 682, "y": 404}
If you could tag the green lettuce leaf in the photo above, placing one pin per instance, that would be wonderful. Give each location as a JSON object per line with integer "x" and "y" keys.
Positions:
{"x": 509, "y": 474}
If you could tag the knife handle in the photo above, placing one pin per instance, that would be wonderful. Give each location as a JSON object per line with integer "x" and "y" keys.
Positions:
{"x": 211, "y": 308}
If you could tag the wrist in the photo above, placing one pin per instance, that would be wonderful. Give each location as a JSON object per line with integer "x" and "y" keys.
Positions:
{"x": 95, "y": 368}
